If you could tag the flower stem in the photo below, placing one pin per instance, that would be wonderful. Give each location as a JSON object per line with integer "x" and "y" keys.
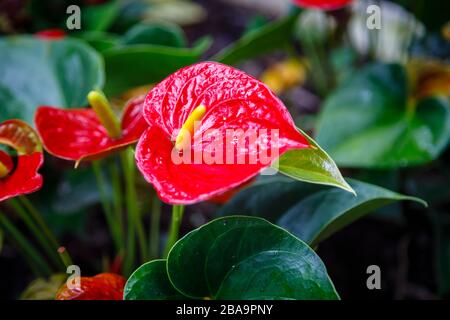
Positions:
{"x": 177, "y": 217}
{"x": 134, "y": 217}
{"x": 117, "y": 199}
{"x": 39, "y": 266}
{"x": 65, "y": 257}
{"x": 112, "y": 225}
{"x": 154, "y": 228}
{"x": 37, "y": 233}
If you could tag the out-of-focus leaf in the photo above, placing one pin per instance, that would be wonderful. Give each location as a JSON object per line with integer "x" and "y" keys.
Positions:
{"x": 100, "y": 41}
{"x": 43, "y": 289}
{"x": 37, "y": 72}
{"x": 270, "y": 37}
{"x": 156, "y": 34}
{"x": 99, "y": 17}
{"x": 370, "y": 121}
{"x": 137, "y": 65}
{"x": 182, "y": 13}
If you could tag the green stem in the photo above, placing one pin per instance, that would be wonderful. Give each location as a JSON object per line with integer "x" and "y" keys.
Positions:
{"x": 38, "y": 264}
{"x": 37, "y": 233}
{"x": 154, "y": 228}
{"x": 65, "y": 257}
{"x": 134, "y": 217}
{"x": 118, "y": 202}
{"x": 177, "y": 217}
{"x": 40, "y": 221}
{"x": 112, "y": 225}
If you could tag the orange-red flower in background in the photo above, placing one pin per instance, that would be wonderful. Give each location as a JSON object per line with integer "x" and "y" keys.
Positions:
{"x": 19, "y": 173}
{"x": 322, "y": 4}
{"x": 104, "y": 286}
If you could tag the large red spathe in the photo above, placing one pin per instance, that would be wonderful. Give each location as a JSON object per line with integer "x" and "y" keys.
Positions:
{"x": 233, "y": 100}
{"x": 24, "y": 177}
{"x": 322, "y": 4}
{"x": 77, "y": 134}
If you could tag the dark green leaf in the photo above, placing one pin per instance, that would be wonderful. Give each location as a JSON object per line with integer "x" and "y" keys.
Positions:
{"x": 310, "y": 212}
{"x": 227, "y": 248}
{"x": 150, "y": 282}
{"x": 99, "y": 17}
{"x": 35, "y": 72}
{"x": 137, "y": 65}
{"x": 100, "y": 41}
{"x": 156, "y": 34}
{"x": 319, "y": 215}
{"x": 270, "y": 37}
{"x": 368, "y": 123}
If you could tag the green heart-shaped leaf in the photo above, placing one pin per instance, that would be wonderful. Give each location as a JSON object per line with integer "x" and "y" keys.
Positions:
{"x": 37, "y": 72}
{"x": 227, "y": 249}
{"x": 370, "y": 122}
{"x": 312, "y": 165}
{"x": 150, "y": 282}
{"x": 129, "y": 67}
{"x": 311, "y": 213}
{"x": 157, "y": 34}
{"x": 270, "y": 37}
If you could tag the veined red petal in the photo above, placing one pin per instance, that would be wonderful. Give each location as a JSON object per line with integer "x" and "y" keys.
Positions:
{"x": 322, "y": 4}
{"x": 105, "y": 286}
{"x": 77, "y": 134}
{"x": 234, "y": 101}
{"x": 24, "y": 179}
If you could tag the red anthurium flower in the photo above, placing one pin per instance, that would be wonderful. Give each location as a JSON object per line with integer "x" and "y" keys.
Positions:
{"x": 323, "y": 4}
{"x": 51, "y": 34}
{"x": 79, "y": 134}
{"x": 229, "y": 104}
{"x": 21, "y": 177}
{"x": 104, "y": 286}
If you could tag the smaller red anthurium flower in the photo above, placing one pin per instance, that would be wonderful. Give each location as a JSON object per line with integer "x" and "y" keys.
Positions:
{"x": 51, "y": 34}
{"x": 322, "y": 4}
{"x": 211, "y": 128}
{"x": 104, "y": 286}
{"x": 19, "y": 174}
{"x": 89, "y": 134}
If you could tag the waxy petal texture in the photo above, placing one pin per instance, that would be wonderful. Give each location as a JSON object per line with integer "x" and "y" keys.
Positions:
{"x": 105, "y": 286}
{"x": 77, "y": 134}
{"x": 323, "y": 4}
{"x": 233, "y": 101}
{"x": 24, "y": 177}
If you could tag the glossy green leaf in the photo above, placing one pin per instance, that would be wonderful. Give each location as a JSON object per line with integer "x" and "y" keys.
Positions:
{"x": 369, "y": 122}
{"x": 312, "y": 213}
{"x": 35, "y": 72}
{"x": 312, "y": 165}
{"x": 270, "y": 37}
{"x": 150, "y": 282}
{"x": 132, "y": 66}
{"x": 157, "y": 34}
{"x": 227, "y": 249}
